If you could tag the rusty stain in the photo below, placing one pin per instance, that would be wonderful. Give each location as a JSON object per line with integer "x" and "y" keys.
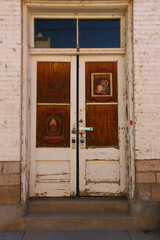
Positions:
{"x": 81, "y": 121}
{"x": 107, "y": 181}
{"x": 38, "y": 195}
{"x": 90, "y": 194}
{"x": 81, "y": 134}
{"x": 55, "y": 174}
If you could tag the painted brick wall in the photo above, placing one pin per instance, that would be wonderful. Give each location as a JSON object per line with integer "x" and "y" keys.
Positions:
{"x": 10, "y": 99}
{"x": 146, "y": 47}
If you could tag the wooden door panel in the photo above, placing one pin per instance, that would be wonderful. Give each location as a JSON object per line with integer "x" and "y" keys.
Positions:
{"x": 53, "y": 126}
{"x": 101, "y": 68}
{"x": 102, "y": 153}
{"x": 53, "y": 82}
{"x": 53, "y": 157}
{"x": 104, "y": 120}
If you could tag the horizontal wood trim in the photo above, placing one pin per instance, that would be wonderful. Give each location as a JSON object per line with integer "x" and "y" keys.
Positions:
{"x": 78, "y": 1}
{"x": 100, "y": 103}
{"x": 94, "y": 51}
{"x": 52, "y": 104}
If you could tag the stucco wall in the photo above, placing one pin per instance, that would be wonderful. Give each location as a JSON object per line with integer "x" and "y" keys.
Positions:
{"x": 146, "y": 50}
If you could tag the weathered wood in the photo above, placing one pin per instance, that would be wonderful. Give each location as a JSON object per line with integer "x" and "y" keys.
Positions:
{"x": 53, "y": 163}
{"x": 102, "y": 155}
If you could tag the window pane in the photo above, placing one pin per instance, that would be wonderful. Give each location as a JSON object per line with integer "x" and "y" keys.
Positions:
{"x": 99, "y": 33}
{"x": 55, "y": 33}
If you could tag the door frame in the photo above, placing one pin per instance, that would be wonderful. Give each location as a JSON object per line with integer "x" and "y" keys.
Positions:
{"x": 108, "y": 11}
{"x": 74, "y": 155}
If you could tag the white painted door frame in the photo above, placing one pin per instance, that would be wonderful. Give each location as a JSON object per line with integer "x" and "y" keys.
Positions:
{"x": 50, "y": 158}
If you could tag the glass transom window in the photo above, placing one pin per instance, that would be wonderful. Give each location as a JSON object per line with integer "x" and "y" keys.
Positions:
{"x": 73, "y": 33}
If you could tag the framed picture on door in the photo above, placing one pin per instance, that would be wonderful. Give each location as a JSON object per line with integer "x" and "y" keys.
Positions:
{"x": 101, "y": 86}
{"x": 53, "y": 125}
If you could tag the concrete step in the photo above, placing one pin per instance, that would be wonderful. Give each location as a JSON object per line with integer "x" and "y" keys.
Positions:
{"x": 77, "y": 205}
{"x": 76, "y": 221}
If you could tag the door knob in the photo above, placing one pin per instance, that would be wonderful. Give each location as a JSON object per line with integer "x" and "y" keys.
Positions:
{"x": 82, "y": 140}
{"x": 73, "y": 140}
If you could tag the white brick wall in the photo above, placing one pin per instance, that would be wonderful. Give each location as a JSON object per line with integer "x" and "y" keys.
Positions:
{"x": 146, "y": 40}
{"x": 10, "y": 79}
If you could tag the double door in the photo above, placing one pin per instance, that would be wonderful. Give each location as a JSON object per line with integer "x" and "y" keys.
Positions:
{"x": 77, "y": 126}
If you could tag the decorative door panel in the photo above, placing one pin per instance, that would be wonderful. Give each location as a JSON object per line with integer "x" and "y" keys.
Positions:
{"x": 53, "y": 155}
{"x": 53, "y": 126}
{"x": 101, "y": 82}
{"x": 102, "y": 126}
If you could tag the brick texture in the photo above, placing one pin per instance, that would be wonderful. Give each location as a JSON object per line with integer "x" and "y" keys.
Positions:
{"x": 10, "y": 79}
{"x": 146, "y": 47}
{"x": 10, "y": 100}
{"x": 146, "y": 177}
{"x": 11, "y": 167}
{"x": 156, "y": 192}
{"x": 158, "y": 177}
{"x": 146, "y": 70}
{"x": 9, "y": 179}
{"x": 145, "y": 166}
{"x": 148, "y": 173}
{"x": 146, "y": 62}
{"x": 9, "y": 194}
{"x": 1, "y": 167}
{"x": 144, "y": 191}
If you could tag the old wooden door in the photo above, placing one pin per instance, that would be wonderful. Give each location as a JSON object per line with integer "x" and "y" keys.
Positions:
{"x": 101, "y": 126}
{"x": 53, "y": 116}
{"x": 92, "y": 162}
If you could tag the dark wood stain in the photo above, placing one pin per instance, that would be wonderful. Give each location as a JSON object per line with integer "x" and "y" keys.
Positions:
{"x": 53, "y": 82}
{"x": 104, "y": 120}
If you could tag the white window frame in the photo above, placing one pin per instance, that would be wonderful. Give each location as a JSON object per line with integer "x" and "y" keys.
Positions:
{"x": 74, "y": 51}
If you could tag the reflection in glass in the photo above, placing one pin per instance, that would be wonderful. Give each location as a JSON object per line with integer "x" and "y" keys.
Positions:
{"x": 61, "y": 33}
{"x": 55, "y": 33}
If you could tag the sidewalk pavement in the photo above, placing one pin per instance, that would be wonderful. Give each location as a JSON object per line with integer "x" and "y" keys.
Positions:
{"x": 82, "y": 235}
